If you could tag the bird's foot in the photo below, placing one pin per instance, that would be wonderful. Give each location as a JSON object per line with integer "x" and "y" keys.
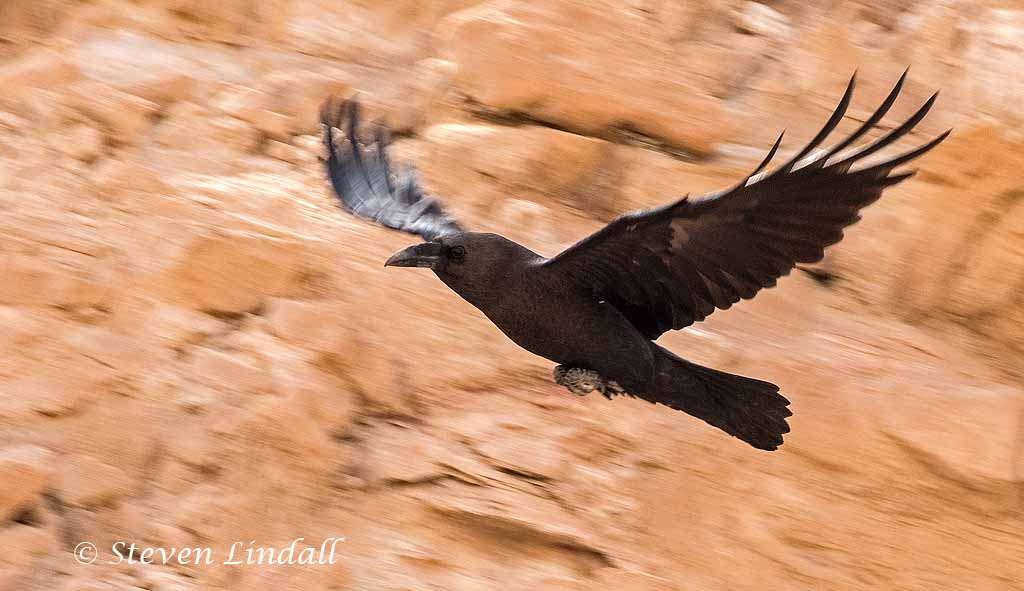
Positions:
{"x": 581, "y": 382}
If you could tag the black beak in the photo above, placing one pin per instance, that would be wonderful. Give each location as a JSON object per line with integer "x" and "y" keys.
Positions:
{"x": 427, "y": 254}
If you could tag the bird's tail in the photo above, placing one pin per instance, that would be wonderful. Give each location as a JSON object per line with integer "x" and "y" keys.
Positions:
{"x": 749, "y": 409}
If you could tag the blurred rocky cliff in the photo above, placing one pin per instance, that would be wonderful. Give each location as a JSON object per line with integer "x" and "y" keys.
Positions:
{"x": 199, "y": 348}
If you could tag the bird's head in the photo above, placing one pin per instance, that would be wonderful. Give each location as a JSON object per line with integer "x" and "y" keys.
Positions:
{"x": 468, "y": 262}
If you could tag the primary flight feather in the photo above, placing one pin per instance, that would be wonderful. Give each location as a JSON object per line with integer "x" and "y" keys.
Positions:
{"x": 596, "y": 308}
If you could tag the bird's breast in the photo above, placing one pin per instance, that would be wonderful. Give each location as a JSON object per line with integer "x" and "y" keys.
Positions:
{"x": 573, "y": 330}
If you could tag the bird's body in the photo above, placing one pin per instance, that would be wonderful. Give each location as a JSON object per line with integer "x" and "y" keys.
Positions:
{"x": 598, "y": 307}
{"x": 559, "y": 321}
{"x": 559, "y": 317}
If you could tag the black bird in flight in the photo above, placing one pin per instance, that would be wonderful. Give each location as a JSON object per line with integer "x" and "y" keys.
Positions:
{"x": 596, "y": 308}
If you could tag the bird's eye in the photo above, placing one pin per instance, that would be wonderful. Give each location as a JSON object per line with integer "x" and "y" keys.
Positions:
{"x": 457, "y": 253}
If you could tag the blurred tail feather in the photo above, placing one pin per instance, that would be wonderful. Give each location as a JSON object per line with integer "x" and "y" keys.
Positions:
{"x": 751, "y": 410}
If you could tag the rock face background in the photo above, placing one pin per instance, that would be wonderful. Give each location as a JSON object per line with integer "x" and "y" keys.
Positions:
{"x": 199, "y": 348}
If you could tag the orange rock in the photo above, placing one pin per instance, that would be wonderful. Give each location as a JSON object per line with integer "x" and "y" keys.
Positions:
{"x": 198, "y": 347}
{"x": 27, "y": 471}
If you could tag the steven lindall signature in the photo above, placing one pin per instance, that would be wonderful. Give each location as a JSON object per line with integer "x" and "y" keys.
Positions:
{"x": 239, "y": 553}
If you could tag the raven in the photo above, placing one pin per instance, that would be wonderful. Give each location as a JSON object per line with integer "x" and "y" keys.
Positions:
{"x": 596, "y": 308}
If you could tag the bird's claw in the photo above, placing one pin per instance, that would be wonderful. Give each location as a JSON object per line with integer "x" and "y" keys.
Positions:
{"x": 581, "y": 382}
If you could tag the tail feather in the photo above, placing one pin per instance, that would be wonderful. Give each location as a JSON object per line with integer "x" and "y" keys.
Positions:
{"x": 751, "y": 410}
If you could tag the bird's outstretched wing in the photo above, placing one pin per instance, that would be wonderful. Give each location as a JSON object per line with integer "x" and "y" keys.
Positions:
{"x": 364, "y": 182}
{"x": 668, "y": 267}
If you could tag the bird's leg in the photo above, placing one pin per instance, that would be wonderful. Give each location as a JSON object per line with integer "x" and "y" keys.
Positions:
{"x": 584, "y": 381}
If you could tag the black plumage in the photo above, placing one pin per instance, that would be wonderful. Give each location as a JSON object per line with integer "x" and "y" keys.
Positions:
{"x": 599, "y": 305}
{"x": 366, "y": 185}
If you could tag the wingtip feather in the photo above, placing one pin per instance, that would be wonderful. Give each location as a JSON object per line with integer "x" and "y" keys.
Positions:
{"x": 871, "y": 121}
{"x": 826, "y": 130}
{"x": 768, "y": 158}
{"x": 890, "y": 137}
